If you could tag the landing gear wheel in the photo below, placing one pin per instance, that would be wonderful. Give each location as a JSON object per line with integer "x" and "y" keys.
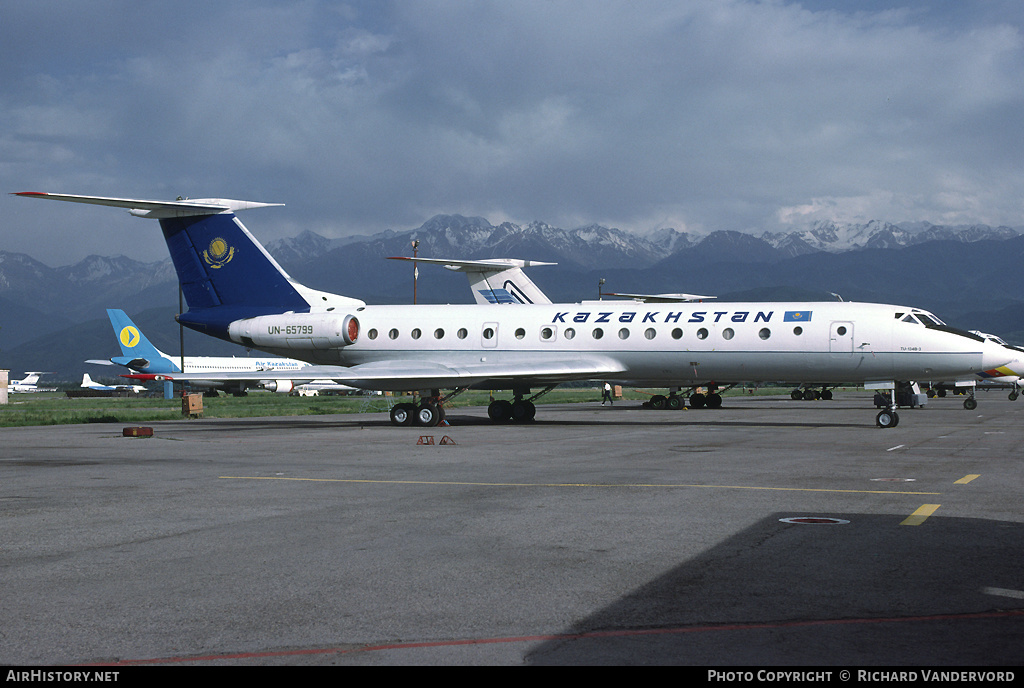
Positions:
{"x": 500, "y": 411}
{"x": 1013, "y": 396}
{"x": 970, "y": 404}
{"x": 827, "y": 395}
{"x": 523, "y": 411}
{"x": 401, "y": 414}
{"x": 698, "y": 401}
{"x": 658, "y": 401}
{"x": 674, "y": 402}
{"x": 796, "y": 395}
{"x": 887, "y": 419}
{"x": 427, "y": 415}
{"x": 714, "y": 400}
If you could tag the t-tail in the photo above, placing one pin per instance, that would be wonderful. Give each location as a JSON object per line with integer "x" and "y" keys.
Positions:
{"x": 225, "y": 273}
{"x": 494, "y": 280}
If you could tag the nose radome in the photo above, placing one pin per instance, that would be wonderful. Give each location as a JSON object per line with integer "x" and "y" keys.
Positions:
{"x": 995, "y": 355}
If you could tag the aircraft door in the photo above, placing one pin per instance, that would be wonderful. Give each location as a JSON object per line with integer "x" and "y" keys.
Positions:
{"x": 489, "y": 335}
{"x": 840, "y": 338}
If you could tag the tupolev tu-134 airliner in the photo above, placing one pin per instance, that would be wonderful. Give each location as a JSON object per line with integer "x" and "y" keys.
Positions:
{"x": 237, "y": 292}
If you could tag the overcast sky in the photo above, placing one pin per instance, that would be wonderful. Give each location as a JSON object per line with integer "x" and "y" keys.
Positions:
{"x": 365, "y": 116}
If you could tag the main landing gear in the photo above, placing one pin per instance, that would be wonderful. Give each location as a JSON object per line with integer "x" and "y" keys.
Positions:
{"x": 808, "y": 394}
{"x": 676, "y": 401}
{"x": 426, "y": 414}
{"x": 519, "y": 410}
{"x": 430, "y": 410}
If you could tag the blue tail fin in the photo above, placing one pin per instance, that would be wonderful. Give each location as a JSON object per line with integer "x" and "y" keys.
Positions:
{"x": 137, "y": 351}
{"x": 220, "y": 264}
{"x": 225, "y": 273}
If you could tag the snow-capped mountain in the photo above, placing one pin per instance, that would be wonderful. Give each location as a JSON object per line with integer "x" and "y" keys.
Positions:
{"x": 456, "y": 236}
{"x": 838, "y": 237}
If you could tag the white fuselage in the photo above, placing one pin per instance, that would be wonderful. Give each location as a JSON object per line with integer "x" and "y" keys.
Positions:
{"x": 200, "y": 364}
{"x": 659, "y": 344}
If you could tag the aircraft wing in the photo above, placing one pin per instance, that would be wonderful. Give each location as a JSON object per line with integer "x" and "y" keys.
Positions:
{"x": 403, "y": 375}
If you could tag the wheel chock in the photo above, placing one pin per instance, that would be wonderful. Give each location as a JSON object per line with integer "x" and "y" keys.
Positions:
{"x": 429, "y": 439}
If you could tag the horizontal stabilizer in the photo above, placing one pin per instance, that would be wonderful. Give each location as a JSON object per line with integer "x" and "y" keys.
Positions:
{"x": 157, "y": 209}
{"x": 485, "y": 265}
{"x": 663, "y": 298}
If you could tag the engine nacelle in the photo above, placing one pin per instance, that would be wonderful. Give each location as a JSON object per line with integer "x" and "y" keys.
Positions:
{"x": 278, "y": 386}
{"x": 296, "y": 331}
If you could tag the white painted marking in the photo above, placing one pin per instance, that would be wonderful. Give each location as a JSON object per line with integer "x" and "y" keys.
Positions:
{"x": 898, "y": 446}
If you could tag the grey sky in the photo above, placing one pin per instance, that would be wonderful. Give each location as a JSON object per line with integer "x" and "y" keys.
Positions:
{"x": 723, "y": 114}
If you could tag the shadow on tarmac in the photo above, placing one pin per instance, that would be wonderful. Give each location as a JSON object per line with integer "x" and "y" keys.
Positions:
{"x": 870, "y": 592}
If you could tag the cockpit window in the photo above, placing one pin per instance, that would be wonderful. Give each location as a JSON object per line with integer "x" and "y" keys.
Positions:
{"x": 929, "y": 320}
{"x": 908, "y": 318}
{"x": 933, "y": 323}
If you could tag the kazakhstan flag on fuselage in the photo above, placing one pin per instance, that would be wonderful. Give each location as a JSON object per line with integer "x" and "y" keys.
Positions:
{"x": 797, "y": 316}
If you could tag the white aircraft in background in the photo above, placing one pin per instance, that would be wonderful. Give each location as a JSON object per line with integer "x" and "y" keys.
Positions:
{"x": 494, "y": 280}
{"x": 236, "y": 291}
{"x": 1009, "y": 376}
{"x": 29, "y": 383}
{"x": 141, "y": 356}
{"x": 502, "y": 280}
{"x": 89, "y": 383}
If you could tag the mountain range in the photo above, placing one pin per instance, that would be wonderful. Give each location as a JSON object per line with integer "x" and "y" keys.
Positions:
{"x": 54, "y": 318}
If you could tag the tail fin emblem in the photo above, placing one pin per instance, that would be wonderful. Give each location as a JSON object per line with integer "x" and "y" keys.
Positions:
{"x": 129, "y": 336}
{"x": 218, "y": 254}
